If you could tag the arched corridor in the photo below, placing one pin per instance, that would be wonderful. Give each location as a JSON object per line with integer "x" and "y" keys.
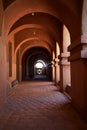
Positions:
{"x": 39, "y": 106}
{"x": 43, "y": 42}
{"x": 30, "y": 58}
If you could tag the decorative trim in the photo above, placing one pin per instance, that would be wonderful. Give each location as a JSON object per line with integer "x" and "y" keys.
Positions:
{"x": 65, "y": 63}
{"x": 65, "y": 55}
{"x": 79, "y": 53}
{"x": 84, "y": 38}
{"x": 75, "y": 56}
{"x": 75, "y": 43}
{"x": 56, "y": 59}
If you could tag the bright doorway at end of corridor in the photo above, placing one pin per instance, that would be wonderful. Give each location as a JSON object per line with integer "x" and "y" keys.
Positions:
{"x": 36, "y": 65}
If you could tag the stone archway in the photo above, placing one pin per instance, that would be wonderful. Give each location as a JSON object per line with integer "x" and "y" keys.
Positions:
{"x": 30, "y": 58}
{"x": 75, "y": 21}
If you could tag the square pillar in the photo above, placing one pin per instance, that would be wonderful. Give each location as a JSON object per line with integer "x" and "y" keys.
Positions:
{"x": 57, "y": 74}
{"x": 53, "y": 71}
{"x": 64, "y": 71}
{"x": 78, "y": 60}
{"x": 53, "y": 66}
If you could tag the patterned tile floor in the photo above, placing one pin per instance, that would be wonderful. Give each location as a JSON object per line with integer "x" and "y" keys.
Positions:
{"x": 39, "y": 106}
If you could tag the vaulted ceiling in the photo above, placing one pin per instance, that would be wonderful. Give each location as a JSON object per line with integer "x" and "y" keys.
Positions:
{"x": 40, "y": 22}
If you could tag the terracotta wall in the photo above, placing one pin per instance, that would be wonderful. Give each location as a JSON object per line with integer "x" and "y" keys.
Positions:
{"x": 2, "y": 74}
{"x": 2, "y": 63}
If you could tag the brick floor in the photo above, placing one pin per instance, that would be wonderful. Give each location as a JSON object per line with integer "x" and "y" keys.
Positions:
{"x": 39, "y": 106}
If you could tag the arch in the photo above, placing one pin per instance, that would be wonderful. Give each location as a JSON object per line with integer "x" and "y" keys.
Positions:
{"x": 32, "y": 56}
{"x": 39, "y": 20}
{"x": 52, "y": 31}
{"x": 51, "y": 8}
{"x": 45, "y": 45}
{"x": 29, "y": 33}
{"x": 6, "y": 3}
{"x": 32, "y": 46}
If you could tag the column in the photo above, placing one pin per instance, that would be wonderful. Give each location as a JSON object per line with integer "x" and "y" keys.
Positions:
{"x": 57, "y": 72}
{"x": 11, "y": 63}
{"x": 53, "y": 66}
{"x": 64, "y": 71}
{"x": 64, "y": 64}
{"x": 78, "y": 59}
{"x": 18, "y": 66}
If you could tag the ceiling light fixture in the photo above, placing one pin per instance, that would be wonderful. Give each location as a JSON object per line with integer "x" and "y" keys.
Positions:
{"x": 33, "y": 14}
{"x": 34, "y": 33}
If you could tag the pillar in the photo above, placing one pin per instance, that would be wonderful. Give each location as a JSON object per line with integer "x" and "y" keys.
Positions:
{"x": 11, "y": 63}
{"x": 64, "y": 71}
{"x": 18, "y": 66}
{"x": 57, "y": 72}
{"x": 64, "y": 64}
{"x": 78, "y": 59}
{"x": 53, "y": 66}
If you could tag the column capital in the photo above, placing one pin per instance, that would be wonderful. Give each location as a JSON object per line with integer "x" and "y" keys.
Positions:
{"x": 84, "y": 38}
{"x": 80, "y": 40}
{"x": 64, "y": 55}
{"x": 56, "y": 59}
{"x": 64, "y": 59}
{"x": 78, "y": 52}
{"x": 52, "y": 63}
{"x": 78, "y": 48}
{"x": 74, "y": 43}
{"x": 56, "y": 62}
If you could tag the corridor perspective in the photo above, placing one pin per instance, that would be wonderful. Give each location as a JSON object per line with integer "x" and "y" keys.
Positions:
{"x": 39, "y": 106}
{"x": 43, "y": 64}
